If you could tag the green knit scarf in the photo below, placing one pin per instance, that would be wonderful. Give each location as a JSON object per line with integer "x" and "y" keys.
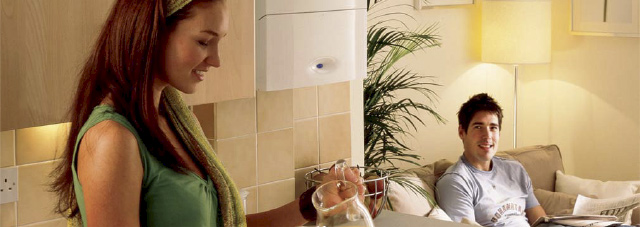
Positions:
{"x": 189, "y": 131}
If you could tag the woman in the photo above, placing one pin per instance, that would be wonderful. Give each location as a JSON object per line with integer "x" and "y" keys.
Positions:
{"x": 135, "y": 154}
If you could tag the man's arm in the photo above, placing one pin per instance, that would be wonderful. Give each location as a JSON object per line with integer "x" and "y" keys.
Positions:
{"x": 534, "y": 213}
{"x": 455, "y": 198}
{"x": 534, "y": 210}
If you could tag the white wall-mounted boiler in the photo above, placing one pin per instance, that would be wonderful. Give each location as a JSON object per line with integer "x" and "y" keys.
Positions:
{"x": 302, "y": 43}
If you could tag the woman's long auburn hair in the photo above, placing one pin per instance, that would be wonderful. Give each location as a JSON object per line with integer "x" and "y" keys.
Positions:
{"x": 127, "y": 54}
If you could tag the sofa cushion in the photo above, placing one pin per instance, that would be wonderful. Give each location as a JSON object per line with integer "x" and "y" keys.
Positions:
{"x": 540, "y": 162}
{"x": 430, "y": 173}
{"x": 596, "y": 189}
{"x": 555, "y": 203}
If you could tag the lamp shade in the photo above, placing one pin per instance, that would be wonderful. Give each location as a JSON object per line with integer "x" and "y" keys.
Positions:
{"x": 516, "y": 31}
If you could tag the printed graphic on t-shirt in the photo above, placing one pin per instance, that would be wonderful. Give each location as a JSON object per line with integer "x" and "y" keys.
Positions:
{"x": 506, "y": 210}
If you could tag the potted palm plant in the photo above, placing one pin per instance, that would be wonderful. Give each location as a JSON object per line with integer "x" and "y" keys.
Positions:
{"x": 387, "y": 115}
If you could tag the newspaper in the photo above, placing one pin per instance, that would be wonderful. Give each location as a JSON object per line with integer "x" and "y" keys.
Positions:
{"x": 595, "y": 212}
{"x": 591, "y": 223}
{"x": 619, "y": 206}
{"x": 578, "y": 220}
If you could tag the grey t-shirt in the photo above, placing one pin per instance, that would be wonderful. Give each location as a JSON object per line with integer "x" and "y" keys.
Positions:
{"x": 498, "y": 197}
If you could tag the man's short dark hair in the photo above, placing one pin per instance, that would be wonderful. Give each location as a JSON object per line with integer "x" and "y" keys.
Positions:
{"x": 477, "y": 103}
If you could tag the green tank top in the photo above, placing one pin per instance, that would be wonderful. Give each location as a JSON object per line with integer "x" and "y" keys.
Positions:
{"x": 168, "y": 198}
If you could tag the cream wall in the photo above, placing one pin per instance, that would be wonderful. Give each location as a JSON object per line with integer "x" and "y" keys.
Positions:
{"x": 586, "y": 100}
{"x": 598, "y": 79}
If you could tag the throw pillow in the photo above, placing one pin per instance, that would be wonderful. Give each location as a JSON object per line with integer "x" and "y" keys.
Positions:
{"x": 594, "y": 188}
{"x": 555, "y": 203}
{"x": 438, "y": 213}
{"x": 405, "y": 200}
{"x": 469, "y": 222}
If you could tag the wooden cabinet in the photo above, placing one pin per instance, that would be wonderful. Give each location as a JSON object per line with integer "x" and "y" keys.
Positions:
{"x": 606, "y": 17}
{"x": 235, "y": 78}
{"x": 44, "y": 44}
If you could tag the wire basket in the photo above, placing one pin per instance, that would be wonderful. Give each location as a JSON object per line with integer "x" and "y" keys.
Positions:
{"x": 376, "y": 181}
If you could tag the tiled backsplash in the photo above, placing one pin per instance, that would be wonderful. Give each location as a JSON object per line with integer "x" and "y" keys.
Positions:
{"x": 33, "y": 151}
{"x": 266, "y": 143}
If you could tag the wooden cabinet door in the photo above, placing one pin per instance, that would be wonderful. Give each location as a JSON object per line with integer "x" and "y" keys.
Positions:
{"x": 235, "y": 77}
{"x": 43, "y": 45}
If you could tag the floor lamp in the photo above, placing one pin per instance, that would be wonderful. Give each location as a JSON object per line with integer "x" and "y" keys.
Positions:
{"x": 516, "y": 32}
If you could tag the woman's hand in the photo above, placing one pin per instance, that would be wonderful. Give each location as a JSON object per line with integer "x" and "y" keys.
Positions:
{"x": 350, "y": 174}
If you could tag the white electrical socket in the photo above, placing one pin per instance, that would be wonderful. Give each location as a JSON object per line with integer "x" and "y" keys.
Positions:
{"x": 8, "y": 185}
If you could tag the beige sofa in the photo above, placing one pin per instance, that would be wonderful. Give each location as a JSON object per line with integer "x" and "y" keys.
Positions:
{"x": 541, "y": 163}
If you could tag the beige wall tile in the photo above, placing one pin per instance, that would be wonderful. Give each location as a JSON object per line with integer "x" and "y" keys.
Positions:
{"x": 300, "y": 184}
{"x": 276, "y": 194}
{"x": 238, "y": 155}
{"x": 305, "y": 102}
{"x": 235, "y": 118}
{"x": 39, "y": 144}
{"x": 275, "y": 156}
{"x": 252, "y": 200}
{"x": 327, "y": 164}
{"x": 35, "y": 203}
{"x": 205, "y": 116}
{"x": 333, "y": 98}
{"x": 305, "y": 137}
{"x": 330, "y": 163}
{"x": 214, "y": 145}
{"x": 7, "y": 154}
{"x": 275, "y": 110}
{"x": 8, "y": 214}
{"x": 334, "y": 137}
{"x": 61, "y": 222}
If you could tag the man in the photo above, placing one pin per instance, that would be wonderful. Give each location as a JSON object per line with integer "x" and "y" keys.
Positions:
{"x": 489, "y": 190}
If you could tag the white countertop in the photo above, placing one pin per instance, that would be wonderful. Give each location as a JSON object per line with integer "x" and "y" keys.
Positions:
{"x": 395, "y": 219}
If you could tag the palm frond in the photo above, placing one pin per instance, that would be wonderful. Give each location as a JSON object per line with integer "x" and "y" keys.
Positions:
{"x": 387, "y": 115}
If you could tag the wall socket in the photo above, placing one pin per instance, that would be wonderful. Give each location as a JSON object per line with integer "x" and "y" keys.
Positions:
{"x": 8, "y": 185}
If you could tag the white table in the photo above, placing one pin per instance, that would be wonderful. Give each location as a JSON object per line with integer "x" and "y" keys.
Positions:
{"x": 395, "y": 219}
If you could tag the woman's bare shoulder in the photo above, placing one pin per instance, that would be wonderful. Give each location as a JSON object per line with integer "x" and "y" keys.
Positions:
{"x": 109, "y": 141}
{"x": 111, "y": 173}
